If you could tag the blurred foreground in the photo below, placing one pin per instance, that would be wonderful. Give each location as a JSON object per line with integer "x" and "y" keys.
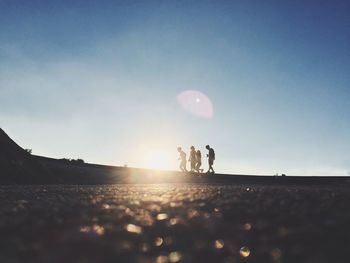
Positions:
{"x": 174, "y": 223}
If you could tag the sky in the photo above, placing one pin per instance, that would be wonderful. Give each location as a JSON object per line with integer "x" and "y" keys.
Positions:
{"x": 102, "y": 81}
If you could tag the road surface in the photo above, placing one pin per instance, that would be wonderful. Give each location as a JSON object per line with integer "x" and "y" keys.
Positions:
{"x": 174, "y": 223}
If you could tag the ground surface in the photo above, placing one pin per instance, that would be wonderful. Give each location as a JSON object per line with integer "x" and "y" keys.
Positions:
{"x": 174, "y": 223}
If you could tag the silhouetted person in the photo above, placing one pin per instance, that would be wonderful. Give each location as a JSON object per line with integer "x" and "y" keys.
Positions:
{"x": 182, "y": 159}
{"x": 199, "y": 161}
{"x": 211, "y": 158}
{"x": 192, "y": 158}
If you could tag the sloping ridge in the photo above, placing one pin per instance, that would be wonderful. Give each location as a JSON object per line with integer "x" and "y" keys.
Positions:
{"x": 17, "y": 165}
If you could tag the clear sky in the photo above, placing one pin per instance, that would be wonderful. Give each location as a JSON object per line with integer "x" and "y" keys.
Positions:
{"x": 99, "y": 80}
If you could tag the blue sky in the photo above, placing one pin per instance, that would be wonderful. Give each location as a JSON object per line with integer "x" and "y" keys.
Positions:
{"x": 98, "y": 80}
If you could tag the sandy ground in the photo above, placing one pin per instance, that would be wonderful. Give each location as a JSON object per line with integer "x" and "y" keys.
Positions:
{"x": 174, "y": 223}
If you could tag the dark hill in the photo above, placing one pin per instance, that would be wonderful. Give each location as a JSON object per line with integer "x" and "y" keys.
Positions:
{"x": 17, "y": 165}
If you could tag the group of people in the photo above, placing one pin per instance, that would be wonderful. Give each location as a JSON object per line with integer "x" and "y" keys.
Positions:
{"x": 195, "y": 159}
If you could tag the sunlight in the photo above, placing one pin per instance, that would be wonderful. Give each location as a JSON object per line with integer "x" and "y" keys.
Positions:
{"x": 158, "y": 159}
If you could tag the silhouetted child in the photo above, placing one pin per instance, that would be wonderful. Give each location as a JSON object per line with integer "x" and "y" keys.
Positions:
{"x": 182, "y": 159}
{"x": 211, "y": 158}
{"x": 199, "y": 161}
{"x": 192, "y": 158}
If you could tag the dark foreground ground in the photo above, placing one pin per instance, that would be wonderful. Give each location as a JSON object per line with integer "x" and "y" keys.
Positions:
{"x": 174, "y": 223}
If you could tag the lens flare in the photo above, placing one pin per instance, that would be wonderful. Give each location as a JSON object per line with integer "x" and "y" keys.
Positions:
{"x": 244, "y": 252}
{"x": 196, "y": 103}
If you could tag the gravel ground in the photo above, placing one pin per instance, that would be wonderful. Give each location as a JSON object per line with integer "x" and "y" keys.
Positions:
{"x": 174, "y": 223}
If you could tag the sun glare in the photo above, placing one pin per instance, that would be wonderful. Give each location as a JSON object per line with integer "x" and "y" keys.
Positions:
{"x": 158, "y": 159}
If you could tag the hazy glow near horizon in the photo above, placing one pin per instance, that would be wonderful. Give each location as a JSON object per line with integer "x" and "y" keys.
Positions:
{"x": 266, "y": 84}
{"x": 158, "y": 159}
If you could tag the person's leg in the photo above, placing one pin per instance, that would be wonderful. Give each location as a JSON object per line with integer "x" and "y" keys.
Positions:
{"x": 184, "y": 165}
{"x": 211, "y": 166}
{"x": 199, "y": 168}
{"x": 199, "y": 164}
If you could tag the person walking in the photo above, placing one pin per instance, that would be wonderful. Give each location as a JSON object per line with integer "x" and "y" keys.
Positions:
{"x": 182, "y": 159}
{"x": 199, "y": 161}
{"x": 211, "y": 158}
{"x": 192, "y": 158}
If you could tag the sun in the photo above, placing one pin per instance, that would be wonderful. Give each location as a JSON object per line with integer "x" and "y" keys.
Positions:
{"x": 158, "y": 159}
